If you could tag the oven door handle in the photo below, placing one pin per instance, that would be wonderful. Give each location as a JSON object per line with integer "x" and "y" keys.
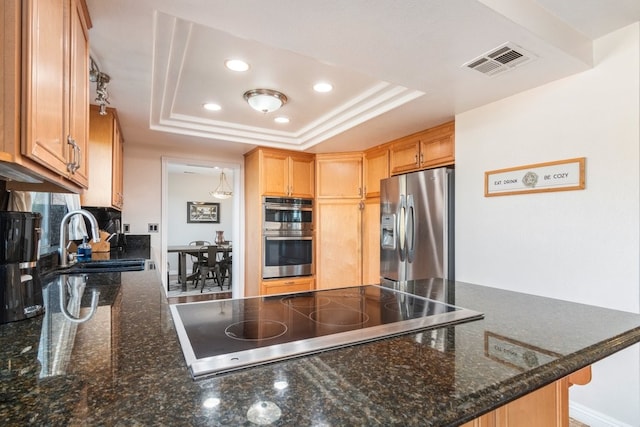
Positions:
{"x": 288, "y": 238}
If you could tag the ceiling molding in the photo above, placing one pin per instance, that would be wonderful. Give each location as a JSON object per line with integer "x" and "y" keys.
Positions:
{"x": 173, "y": 42}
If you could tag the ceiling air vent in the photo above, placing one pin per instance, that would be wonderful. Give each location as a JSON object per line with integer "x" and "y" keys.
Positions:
{"x": 501, "y": 59}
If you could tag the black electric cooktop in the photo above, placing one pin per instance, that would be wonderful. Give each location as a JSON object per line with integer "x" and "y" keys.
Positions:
{"x": 224, "y": 335}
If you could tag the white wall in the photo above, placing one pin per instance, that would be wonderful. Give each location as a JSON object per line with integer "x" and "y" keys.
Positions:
{"x": 183, "y": 188}
{"x": 582, "y": 245}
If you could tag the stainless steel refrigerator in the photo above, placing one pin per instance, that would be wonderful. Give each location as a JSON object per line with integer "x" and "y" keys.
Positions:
{"x": 416, "y": 225}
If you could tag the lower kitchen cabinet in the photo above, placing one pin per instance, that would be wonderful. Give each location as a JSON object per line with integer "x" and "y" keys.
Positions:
{"x": 338, "y": 243}
{"x": 290, "y": 284}
{"x": 547, "y": 406}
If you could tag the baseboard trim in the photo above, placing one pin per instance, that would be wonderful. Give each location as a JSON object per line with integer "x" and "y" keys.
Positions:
{"x": 593, "y": 418}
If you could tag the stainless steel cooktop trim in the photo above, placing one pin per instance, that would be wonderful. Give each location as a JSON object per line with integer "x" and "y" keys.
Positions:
{"x": 258, "y": 356}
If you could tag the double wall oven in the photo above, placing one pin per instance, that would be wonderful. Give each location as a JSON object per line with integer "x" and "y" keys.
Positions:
{"x": 287, "y": 233}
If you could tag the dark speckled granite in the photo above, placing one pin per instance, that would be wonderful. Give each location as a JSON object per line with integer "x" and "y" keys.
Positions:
{"x": 125, "y": 365}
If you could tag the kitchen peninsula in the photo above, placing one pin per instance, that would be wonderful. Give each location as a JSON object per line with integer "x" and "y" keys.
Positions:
{"x": 125, "y": 366}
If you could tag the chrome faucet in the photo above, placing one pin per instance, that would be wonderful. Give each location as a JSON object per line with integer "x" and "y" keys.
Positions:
{"x": 64, "y": 233}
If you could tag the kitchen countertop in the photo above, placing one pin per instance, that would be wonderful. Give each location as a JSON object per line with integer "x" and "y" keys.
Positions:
{"x": 124, "y": 366}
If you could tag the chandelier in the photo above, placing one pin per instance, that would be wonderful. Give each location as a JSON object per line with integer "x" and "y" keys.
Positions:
{"x": 223, "y": 191}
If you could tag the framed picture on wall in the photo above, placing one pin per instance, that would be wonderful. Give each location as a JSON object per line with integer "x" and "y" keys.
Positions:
{"x": 204, "y": 212}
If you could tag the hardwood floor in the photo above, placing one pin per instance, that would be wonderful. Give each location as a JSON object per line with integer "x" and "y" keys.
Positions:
{"x": 201, "y": 297}
{"x": 211, "y": 291}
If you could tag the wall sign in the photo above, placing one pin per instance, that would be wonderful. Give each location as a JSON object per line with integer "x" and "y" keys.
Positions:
{"x": 561, "y": 175}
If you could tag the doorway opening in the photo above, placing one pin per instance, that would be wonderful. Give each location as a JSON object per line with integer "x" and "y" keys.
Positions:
{"x": 190, "y": 213}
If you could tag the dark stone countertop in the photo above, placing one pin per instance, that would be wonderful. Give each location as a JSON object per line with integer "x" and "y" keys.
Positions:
{"x": 125, "y": 367}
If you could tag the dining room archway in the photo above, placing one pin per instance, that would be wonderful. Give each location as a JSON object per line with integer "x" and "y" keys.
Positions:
{"x": 189, "y": 181}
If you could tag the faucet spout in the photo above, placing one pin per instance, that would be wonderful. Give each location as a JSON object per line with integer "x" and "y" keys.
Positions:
{"x": 64, "y": 233}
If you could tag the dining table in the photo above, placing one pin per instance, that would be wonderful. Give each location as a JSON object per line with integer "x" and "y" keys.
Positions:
{"x": 184, "y": 250}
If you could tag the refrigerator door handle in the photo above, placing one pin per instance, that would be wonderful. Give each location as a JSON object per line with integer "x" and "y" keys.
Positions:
{"x": 410, "y": 229}
{"x": 401, "y": 228}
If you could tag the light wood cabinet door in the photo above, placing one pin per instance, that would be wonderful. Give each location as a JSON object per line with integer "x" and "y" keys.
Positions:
{"x": 371, "y": 241}
{"x": 404, "y": 155}
{"x": 427, "y": 149}
{"x": 275, "y": 177}
{"x": 338, "y": 243}
{"x": 301, "y": 176}
{"x": 117, "y": 177}
{"x": 57, "y": 86}
{"x": 547, "y": 406}
{"x": 376, "y": 168}
{"x": 45, "y": 74}
{"x": 79, "y": 94}
{"x": 287, "y": 174}
{"x": 283, "y": 286}
{"x": 105, "y": 156}
{"x": 339, "y": 176}
{"x": 437, "y": 146}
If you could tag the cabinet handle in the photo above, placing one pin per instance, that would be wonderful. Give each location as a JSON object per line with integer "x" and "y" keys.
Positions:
{"x": 289, "y": 283}
{"x": 79, "y": 162}
{"x": 421, "y": 157}
{"x": 72, "y": 166}
{"x": 416, "y": 159}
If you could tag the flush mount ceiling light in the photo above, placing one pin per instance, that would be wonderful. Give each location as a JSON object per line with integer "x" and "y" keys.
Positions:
{"x": 265, "y": 100}
{"x": 223, "y": 191}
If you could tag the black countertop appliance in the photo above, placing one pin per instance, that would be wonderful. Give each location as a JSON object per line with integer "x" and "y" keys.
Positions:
{"x": 20, "y": 288}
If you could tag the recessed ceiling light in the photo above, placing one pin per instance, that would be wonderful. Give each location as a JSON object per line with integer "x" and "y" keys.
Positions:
{"x": 323, "y": 87}
{"x": 281, "y": 119}
{"x": 211, "y": 106}
{"x": 236, "y": 65}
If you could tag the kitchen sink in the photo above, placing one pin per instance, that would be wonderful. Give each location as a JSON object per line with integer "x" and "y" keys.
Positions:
{"x": 106, "y": 266}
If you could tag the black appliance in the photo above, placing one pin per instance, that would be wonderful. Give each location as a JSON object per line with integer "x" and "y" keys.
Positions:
{"x": 20, "y": 287}
{"x": 225, "y": 335}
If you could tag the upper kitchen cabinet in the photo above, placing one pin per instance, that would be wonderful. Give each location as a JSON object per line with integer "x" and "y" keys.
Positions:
{"x": 285, "y": 173}
{"x": 430, "y": 148}
{"x": 376, "y": 168}
{"x": 339, "y": 176}
{"x": 45, "y": 93}
{"x": 106, "y": 145}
